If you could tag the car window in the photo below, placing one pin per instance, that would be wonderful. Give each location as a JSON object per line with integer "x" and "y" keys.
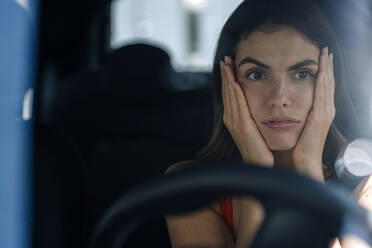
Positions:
{"x": 187, "y": 29}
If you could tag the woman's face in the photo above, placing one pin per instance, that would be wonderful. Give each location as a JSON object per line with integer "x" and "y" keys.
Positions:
{"x": 277, "y": 72}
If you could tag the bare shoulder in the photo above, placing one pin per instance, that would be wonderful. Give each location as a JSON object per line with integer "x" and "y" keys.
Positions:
{"x": 202, "y": 228}
{"x": 188, "y": 164}
{"x": 180, "y": 165}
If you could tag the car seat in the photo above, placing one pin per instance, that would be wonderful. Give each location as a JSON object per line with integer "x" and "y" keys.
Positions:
{"x": 130, "y": 125}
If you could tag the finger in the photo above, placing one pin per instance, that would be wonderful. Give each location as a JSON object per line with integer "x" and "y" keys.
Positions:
{"x": 319, "y": 85}
{"x": 236, "y": 87}
{"x": 223, "y": 83}
{"x": 226, "y": 98}
{"x": 243, "y": 106}
{"x": 232, "y": 111}
{"x": 333, "y": 88}
{"x": 230, "y": 84}
{"x": 241, "y": 100}
{"x": 229, "y": 69}
{"x": 229, "y": 61}
{"x": 330, "y": 81}
{"x": 329, "y": 87}
{"x": 333, "y": 83}
{"x": 325, "y": 105}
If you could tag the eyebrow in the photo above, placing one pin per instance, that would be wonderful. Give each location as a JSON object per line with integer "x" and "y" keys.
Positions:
{"x": 303, "y": 63}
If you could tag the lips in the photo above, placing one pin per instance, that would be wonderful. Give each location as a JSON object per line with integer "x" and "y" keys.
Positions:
{"x": 281, "y": 122}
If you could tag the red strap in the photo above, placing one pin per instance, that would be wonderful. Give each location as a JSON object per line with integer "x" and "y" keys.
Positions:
{"x": 227, "y": 212}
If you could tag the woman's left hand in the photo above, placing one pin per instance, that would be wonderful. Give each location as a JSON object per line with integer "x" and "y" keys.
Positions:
{"x": 307, "y": 154}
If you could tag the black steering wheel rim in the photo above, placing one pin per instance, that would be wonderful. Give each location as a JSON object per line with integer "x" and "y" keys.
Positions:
{"x": 193, "y": 188}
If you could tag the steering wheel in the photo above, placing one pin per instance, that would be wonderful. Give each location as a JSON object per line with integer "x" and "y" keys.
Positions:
{"x": 299, "y": 212}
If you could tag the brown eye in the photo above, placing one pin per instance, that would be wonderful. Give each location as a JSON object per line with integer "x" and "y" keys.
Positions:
{"x": 256, "y": 75}
{"x": 302, "y": 75}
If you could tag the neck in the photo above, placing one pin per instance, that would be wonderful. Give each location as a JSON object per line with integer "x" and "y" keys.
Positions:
{"x": 283, "y": 159}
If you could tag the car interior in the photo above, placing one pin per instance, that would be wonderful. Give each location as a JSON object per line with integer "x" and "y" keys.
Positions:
{"x": 110, "y": 119}
{"x": 104, "y": 126}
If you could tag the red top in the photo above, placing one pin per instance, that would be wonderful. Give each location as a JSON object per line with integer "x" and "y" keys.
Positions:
{"x": 227, "y": 213}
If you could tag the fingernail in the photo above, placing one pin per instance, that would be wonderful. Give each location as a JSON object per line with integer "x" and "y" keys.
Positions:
{"x": 233, "y": 84}
{"x": 332, "y": 57}
{"x": 326, "y": 50}
{"x": 226, "y": 60}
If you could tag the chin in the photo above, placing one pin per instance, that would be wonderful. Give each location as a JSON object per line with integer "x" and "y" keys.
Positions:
{"x": 281, "y": 141}
{"x": 281, "y": 146}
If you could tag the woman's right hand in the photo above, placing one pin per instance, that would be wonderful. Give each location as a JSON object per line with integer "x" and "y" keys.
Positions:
{"x": 238, "y": 120}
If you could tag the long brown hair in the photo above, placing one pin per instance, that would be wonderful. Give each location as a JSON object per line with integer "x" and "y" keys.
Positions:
{"x": 307, "y": 19}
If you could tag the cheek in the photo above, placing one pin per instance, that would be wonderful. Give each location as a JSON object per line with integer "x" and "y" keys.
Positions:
{"x": 255, "y": 97}
{"x": 304, "y": 99}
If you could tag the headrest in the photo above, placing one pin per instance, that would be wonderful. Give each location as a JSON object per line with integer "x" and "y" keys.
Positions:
{"x": 138, "y": 69}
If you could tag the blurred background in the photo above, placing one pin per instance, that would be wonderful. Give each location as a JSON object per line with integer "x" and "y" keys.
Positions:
{"x": 188, "y": 29}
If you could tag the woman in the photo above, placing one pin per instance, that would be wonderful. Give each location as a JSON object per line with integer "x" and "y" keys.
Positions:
{"x": 278, "y": 75}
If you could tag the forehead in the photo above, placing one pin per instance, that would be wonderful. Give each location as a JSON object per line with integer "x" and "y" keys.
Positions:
{"x": 282, "y": 47}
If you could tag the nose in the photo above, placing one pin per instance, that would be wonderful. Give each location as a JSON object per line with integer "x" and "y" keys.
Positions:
{"x": 279, "y": 95}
